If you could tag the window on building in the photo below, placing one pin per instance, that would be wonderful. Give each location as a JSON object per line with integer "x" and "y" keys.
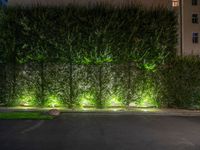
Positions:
{"x": 194, "y": 2}
{"x": 3, "y": 2}
{"x": 175, "y": 3}
{"x": 195, "y": 37}
{"x": 195, "y": 18}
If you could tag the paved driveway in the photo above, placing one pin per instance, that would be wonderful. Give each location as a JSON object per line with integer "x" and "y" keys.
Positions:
{"x": 102, "y": 132}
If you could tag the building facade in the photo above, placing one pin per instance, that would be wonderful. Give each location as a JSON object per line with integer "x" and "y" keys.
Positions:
{"x": 188, "y": 12}
{"x": 190, "y": 24}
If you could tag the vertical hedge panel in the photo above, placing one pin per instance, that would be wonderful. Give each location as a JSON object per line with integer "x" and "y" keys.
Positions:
{"x": 2, "y": 84}
{"x": 27, "y": 85}
{"x": 57, "y": 84}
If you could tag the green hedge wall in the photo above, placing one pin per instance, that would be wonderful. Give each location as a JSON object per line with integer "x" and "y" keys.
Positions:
{"x": 173, "y": 85}
{"x": 94, "y": 56}
{"x": 82, "y": 35}
{"x": 105, "y": 85}
{"x": 181, "y": 80}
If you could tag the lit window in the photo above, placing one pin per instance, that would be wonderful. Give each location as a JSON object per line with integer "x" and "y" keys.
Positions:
{"x": 194, "y": 2}
{"x": 195, "y": 18}
{"x": 195, "y": 38}
{"x": 175, "y": 3}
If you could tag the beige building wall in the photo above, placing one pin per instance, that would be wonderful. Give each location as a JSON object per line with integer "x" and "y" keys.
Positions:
{"x": 190, "y": 48}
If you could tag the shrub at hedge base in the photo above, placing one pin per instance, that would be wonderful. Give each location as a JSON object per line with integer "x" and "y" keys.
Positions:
{"x": 94, "y": 57}
{"x": 182, "y": 83}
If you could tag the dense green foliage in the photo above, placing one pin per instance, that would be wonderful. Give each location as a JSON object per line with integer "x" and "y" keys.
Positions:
{"x": 100, "y": 56}
{"x": 181, "y": 80}
{"x": 84, "y": 35}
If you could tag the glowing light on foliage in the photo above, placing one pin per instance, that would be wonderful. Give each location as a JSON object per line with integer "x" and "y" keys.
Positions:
{"x": 147, "y": 100}
{"x": 146, "y": 95}
{"x": 27, "y": 99}
{"x": 86, "y": 100}
{"x": 53, "y": 101}
{"x": 150, "y": 66}
{"x": 114, "y": 101}
{"x": 115, "y": 110}
{"x": 150, "y": 110}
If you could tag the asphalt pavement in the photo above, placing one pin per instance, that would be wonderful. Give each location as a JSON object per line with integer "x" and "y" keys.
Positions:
{"x": 98, "y": 131}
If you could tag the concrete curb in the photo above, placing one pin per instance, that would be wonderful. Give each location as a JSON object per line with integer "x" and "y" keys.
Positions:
{"x": 132, "y": 111}
{"x": 138, "y": 113}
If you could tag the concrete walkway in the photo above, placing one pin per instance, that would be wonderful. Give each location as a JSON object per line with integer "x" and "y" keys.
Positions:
{"x": 130, "y": 111}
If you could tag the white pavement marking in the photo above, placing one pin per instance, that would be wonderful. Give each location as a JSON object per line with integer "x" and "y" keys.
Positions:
{"x": 32, "y": 127}
{"x": 186, "y": 142}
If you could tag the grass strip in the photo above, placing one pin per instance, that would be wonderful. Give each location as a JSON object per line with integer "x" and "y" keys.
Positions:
{"x": 24, "y": 116}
